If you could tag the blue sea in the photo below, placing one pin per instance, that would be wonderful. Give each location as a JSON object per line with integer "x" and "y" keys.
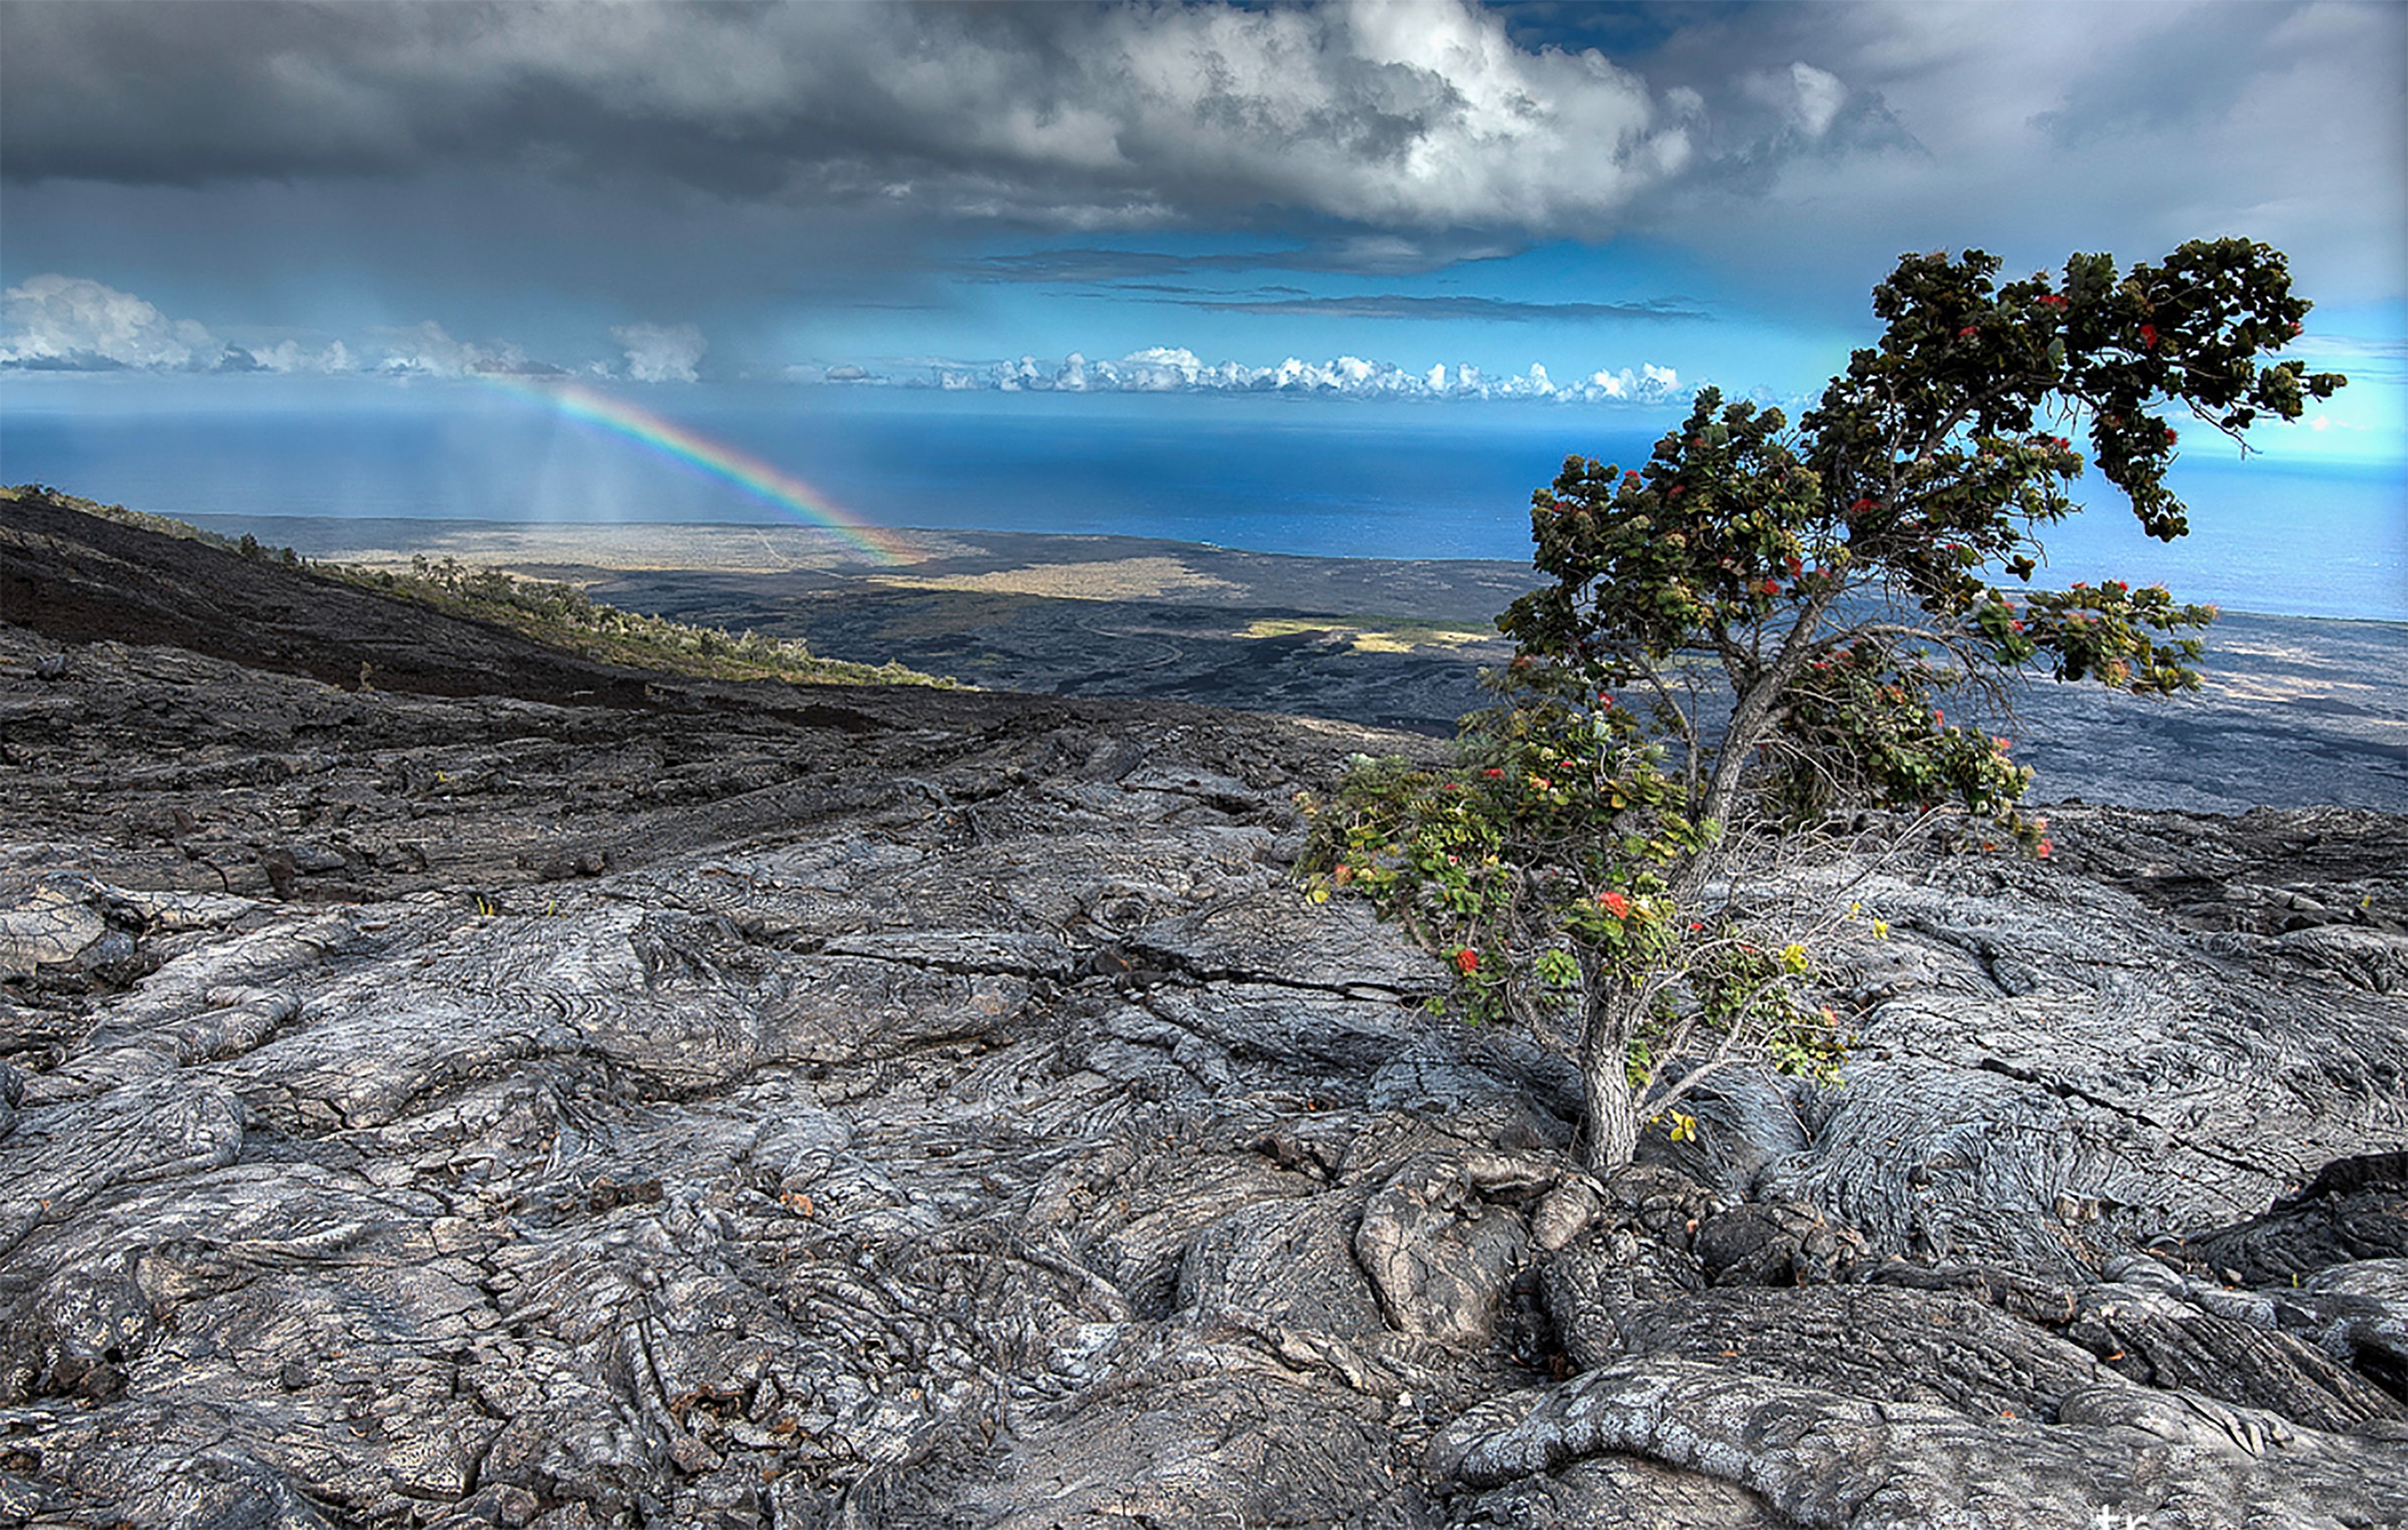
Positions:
{"x": 1317, "y": 476}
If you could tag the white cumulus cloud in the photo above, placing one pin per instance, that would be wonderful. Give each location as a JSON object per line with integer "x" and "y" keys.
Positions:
{"x": 1175, "y": 369}
{"x": 1421, "y": 111}
{"x": 428, "y": 350}
{"x": 662, "y": 353}
{"x": 77, "y": 324}
{"x": 1820, "y": 97}
{"x": 289, "y": 356}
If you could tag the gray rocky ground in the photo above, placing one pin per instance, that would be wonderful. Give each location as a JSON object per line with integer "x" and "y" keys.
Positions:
{"x": 863, "y": 1108}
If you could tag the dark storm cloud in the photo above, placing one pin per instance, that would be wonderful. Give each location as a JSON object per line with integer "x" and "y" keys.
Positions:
{"x": 2034, "y": 129}
{"x": 1797, "y": 148}
{"x": 1414, "y": 113}
{"x": 2170, "y": 82}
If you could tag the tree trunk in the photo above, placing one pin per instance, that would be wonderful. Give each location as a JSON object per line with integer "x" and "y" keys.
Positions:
{"x": 1610, "y": 1134}
{"x": 1755, "y": 708}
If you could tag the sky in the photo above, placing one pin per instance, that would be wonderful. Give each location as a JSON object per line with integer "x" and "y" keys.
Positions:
{"x": 1592, "y": 205}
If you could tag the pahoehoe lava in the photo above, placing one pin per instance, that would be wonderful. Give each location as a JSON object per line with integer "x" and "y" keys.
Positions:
{"x": 527, "y": 1093}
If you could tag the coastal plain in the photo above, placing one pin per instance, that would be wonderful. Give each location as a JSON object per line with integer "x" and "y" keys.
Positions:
{"x": 2292, "y": 711}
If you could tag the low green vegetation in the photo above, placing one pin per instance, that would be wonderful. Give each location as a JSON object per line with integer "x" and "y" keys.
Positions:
{"x": 557, "y": 615}
{"x": 563, "y": 616}
{"x": 164, "y": 525}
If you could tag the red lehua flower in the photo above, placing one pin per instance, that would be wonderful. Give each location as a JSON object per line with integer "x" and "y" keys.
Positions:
{"x": 1494, "y": 774}
{"x": 1770, "y": 587}
{"x": 1605, "y": 698}
{"x": 2052, "y": 300}
{"x": 2149, "y": 336}
{"x": 2015, "y": 626}
{"x": 1860, "y": 507}
{"x": 2041, "y": 850}
{"x": 1466, "y": 961}
{"x": 2171, "y": 437}
{"x": 1697, "y": 924}
{"x": 1615, "y": 904}
{"x": 1796, "y": 566}
{"x": 1969, "y": 332}
{"x": 1939, "y": 717}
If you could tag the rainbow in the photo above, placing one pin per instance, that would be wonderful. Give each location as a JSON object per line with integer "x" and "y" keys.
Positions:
{"x": 782, "y": 491}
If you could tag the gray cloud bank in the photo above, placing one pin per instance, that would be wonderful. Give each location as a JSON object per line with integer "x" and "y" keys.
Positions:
{"x": 662, "y": 353}
{"x": 1420, "y": 114}
{"x": 60, "y": 324}
{"x": 1797, "y": 147}
{"x": 1417, "y": 112}
{"x": 73, "y": 324}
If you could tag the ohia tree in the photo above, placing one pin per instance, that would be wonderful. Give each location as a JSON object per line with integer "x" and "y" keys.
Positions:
{"x": 1763, "y": 624}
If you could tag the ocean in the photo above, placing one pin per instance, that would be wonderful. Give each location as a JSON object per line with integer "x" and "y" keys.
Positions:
{"x": 1316, "y": 477}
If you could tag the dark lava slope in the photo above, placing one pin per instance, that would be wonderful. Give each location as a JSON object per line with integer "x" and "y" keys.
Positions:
{"x": 79, "y": 578}
{"x": 745, "y": 1107}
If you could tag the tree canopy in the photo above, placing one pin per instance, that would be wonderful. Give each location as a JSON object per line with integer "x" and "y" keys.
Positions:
{"x": 1762, "y": 623}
